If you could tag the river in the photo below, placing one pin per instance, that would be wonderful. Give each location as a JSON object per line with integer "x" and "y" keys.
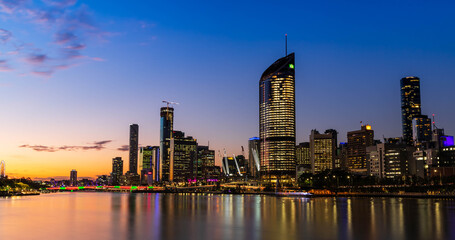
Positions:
{"x": 94, "y": 215}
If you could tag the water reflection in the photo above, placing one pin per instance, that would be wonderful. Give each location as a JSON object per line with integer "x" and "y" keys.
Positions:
{"x": 191, "y": 216}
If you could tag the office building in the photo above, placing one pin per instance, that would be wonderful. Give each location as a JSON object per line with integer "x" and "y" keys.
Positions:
{"x": 117, "y": 171}
{"x": 277, "y": 121}
{"x": 421, "y": 130}
{"x": 410, "y": 105}
{"x": 166, "y": 131}
{"x": 389, "y": 160}
{"x": 148, "y": 157}
{"x": 358, "y": 141}
{"x": 323, "y": 149}
{"x": 183, "y": 158}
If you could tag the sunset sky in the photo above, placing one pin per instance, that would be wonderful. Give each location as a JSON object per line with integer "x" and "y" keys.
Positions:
{"x": 75, "y": 74}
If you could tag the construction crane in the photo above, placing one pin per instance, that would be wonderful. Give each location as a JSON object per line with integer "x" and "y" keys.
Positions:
{"x": 170, "y": 103}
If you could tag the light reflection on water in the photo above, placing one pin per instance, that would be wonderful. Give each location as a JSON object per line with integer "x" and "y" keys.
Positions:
{"x": 190, "y": 216}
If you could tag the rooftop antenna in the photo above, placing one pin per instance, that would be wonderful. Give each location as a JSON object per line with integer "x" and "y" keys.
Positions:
{"x": 286, "y": 43}
{"x": 170, "y": 103}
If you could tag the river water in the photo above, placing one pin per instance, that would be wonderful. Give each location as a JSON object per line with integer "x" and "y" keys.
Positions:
{"x": 90, "y": 215}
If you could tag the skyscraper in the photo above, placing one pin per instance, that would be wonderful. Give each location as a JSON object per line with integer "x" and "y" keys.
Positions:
{"x": 166, "y": 128}
{"x": 183, "y": 157}
{"x": 358, "y": 141}
{"x": 73, "y": 178}
{"x": 410, "y": 105}
{"x": 134, "y": 138}
{"x": 117, "y": 170}
{"x": 277, "y": 120}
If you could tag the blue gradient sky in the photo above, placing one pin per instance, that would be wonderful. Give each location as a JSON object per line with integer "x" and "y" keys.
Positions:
{"x": 208, "y": 56}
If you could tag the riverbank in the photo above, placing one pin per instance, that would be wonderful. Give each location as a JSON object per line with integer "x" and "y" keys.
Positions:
{"x": 12, "y": 194}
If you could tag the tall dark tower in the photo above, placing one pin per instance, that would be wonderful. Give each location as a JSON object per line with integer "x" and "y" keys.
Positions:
{"x": 410, "y": 105}
{"x": 277, "y": 121}
{"x": 134, "y": 139}
{"x": 166, "y": 129}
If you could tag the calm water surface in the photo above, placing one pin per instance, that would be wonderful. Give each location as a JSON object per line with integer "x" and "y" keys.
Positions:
{"x": 190, "y": 216}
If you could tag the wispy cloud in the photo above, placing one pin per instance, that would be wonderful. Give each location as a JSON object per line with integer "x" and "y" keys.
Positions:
{"x": 70, "y": 26}
{"x": 43, "y": 148}
{"x": 4, "y": 67}
{"x": 124, "y": 148}
{"x": 5, "y": 35}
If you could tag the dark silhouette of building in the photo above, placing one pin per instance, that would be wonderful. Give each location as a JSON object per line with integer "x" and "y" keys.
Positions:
{"x": 410, "y": 105}
{"x": 134, "y": 139}
{"x": 277, "y": 121}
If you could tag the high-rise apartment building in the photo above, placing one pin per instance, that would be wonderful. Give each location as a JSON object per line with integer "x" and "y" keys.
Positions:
{"x": 358, "y": 141}
{"x": 410, "y": 105}
{"x": 73, "y": 178}
{"x": 277, "y": 120}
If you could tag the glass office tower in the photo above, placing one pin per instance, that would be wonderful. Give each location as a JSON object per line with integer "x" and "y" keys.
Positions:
{"x": 277, "y": 121}
{"x": 410, "y": 105}
{"x": 166, "y": 128}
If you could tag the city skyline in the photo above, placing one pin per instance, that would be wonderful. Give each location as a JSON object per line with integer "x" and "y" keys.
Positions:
{"x": 65, "y": 123}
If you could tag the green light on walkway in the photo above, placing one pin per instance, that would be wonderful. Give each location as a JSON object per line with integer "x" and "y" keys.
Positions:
{"x": 80, "y": 187}
{"x": 117, "y": 186}
{"x": 133, "y": 187}
{"x": 291, "y": 66}
{"x": 62, "y": 188}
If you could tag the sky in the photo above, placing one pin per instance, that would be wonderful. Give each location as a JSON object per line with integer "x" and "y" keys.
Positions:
{"x": 75, "y": 73}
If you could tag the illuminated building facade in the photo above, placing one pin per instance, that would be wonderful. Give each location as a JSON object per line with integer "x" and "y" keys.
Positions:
{"x": 73, "y": 178}
{"x": 410, "y": 105}
{"x": 323, "y": 148}
{"x": 148, "y": 157}
{"x": 166, "y": 129}
{"x": 277, "y": 121}
{"x": 389, "y": 160}
{"x": 205, "y": 163}
{"x": 358, "y": 141}
{"x": 183, "y": 157}
{"x": 117, "y": 170}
